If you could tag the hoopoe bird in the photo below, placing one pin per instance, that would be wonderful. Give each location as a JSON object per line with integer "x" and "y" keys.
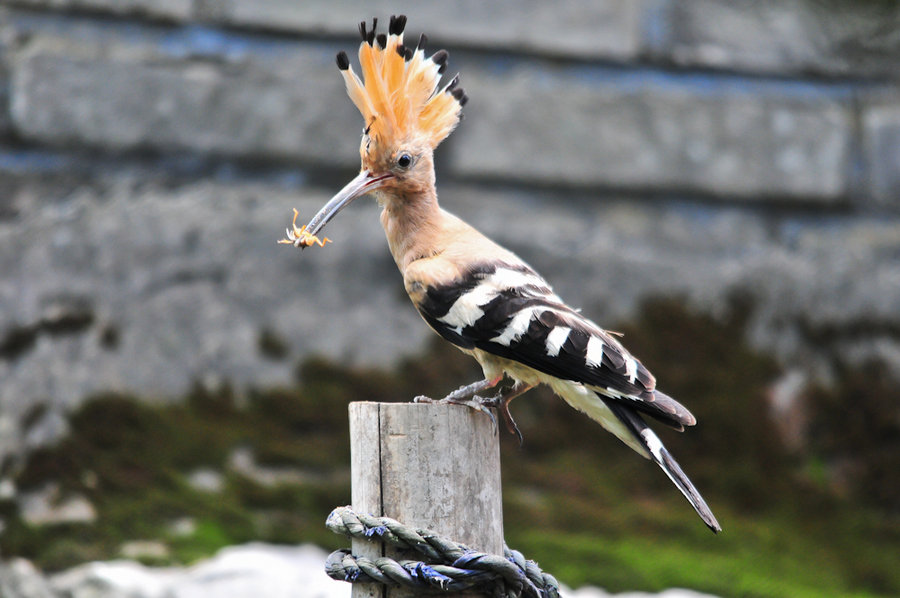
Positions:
{"x": 474, "y": 293}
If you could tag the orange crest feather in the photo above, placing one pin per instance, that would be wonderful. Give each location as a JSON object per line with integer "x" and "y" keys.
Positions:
{"x": 399, "y": 95}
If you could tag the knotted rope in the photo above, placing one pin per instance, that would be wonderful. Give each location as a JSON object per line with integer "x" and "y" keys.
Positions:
{"x": 449, "y": 566}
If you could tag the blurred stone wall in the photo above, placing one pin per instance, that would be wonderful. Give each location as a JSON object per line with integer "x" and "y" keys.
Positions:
{"x": 151, "y": 152}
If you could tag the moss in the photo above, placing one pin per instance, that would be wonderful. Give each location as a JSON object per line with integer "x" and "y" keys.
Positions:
{"x": 17, "y": 341}
{"x": 110, "y": 337}
{"x": 272, "y": 345}
{"x": 71, "y": 321}
{"x": 132, "y": 460}
{"x": 855, "y": 433}
{"x": 704, "y": 362}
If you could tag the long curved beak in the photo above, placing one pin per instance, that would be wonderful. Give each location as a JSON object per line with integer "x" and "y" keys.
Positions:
{"x": 365, "y": 182}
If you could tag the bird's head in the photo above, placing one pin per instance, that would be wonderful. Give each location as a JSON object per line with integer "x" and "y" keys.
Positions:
{"x": 406, "y": 111}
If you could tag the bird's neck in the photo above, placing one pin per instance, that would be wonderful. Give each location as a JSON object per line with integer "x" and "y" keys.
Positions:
{"x": 412, "y": 224}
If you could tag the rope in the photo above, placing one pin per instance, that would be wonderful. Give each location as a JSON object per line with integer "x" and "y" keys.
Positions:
{"x": 450, "y": 566}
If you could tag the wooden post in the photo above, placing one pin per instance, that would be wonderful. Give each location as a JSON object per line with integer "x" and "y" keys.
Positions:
{"x": 434, "y": 466}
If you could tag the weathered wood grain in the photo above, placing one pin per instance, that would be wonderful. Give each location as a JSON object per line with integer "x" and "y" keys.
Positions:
{"x": 426, "y": 465}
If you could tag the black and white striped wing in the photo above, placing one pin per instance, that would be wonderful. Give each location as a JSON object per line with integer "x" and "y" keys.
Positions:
{"x": 510, "y": 311}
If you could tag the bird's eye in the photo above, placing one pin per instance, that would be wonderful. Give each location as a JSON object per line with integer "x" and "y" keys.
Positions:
{"x": 404, "y": 161}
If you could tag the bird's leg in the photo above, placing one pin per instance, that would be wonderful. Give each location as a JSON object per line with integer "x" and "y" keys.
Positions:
{"x": 501, "y": 403}
{"x": 467, "y": 395}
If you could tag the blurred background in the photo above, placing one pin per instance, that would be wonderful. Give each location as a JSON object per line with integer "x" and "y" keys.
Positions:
{"x": 718, "y": 180}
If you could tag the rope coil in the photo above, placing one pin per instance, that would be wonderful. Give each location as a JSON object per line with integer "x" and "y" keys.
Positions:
{"x": 450, "y": 566}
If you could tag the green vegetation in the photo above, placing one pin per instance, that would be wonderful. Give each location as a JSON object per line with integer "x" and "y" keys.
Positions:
{"x": 576, "y": 499}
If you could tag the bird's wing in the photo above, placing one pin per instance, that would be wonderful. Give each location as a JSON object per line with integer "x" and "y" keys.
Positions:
{"x": 510, "y": 311}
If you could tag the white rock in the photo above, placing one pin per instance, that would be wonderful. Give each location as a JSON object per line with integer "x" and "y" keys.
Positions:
{"x": 592, "y": 592}
{"x": 246, "y": 571}
{"x": 206, "y": 480}
{"x": 20, "y": 579}
{"x": 144, "y": 549}
{"x": 43, "y": 507}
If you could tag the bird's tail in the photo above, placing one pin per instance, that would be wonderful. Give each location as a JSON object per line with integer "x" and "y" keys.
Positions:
{"x": 666, "y": 461}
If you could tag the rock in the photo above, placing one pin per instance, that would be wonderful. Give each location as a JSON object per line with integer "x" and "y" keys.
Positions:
{"x": 188, "y": 280}
{"x": 838, "y": 37}
{"x": 183, "y": 527}
{"x": 591, "y": 592}
{"x": 245, "y": 571}
{"x": 206, "y": 480}
{"x": 7, "y": 489}
{"x": 7, "y": 43}
{"x": 166, "y": 9}
{"x": 881, "y": 134}
{"x": 242, "y": 461}
{"x": 138, "y": 93}
{"x": 49, "y": 428}
{"x": 583, "y": 28}
{"x": 588, "y": 129}
{"x": 150, "y": 153}
{"x": 144, "y": 550}
{"x": 47, "y": 507}
{"x": 117, "y": 579}
{"x": 20, "y": 579}
{"x": 575, "y": 126}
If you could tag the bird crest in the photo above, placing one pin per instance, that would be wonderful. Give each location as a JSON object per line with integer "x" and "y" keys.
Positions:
{"x": 399, "y": 94}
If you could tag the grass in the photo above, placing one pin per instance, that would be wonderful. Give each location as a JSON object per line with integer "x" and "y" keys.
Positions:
{"x": 575, "y": 499}
{"x": 770, "y": 554}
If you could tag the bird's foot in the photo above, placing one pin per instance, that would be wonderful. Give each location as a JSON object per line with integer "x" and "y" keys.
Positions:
{"x": 298, "y": 237}
{"x": 475, "y": 402}
{"x": 468, "y": 391}
{"x": 468, "y": 395}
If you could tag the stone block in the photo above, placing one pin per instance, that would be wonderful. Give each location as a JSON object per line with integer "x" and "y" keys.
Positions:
{"x": 585, "y": 128}
{"x": 5, "y": 121}
{"x": 164, "y": 9}
{"x": 284, "y": 102}
{"x": 609, "y": 29}
{"x": 5, "y": 53}
{"x": 835, "y": 38}
{"x": 881, "y": 148}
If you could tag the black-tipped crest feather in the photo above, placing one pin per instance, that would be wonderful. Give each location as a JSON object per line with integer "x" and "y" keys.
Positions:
{"x": 397, "y": 24}
{"x": 440, "y": 57}
{"x": 431, "y": 116}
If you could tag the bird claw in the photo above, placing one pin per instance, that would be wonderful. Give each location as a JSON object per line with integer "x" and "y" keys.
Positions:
{"x": 298, "y": 237}
{"x": 501, "y": 404}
